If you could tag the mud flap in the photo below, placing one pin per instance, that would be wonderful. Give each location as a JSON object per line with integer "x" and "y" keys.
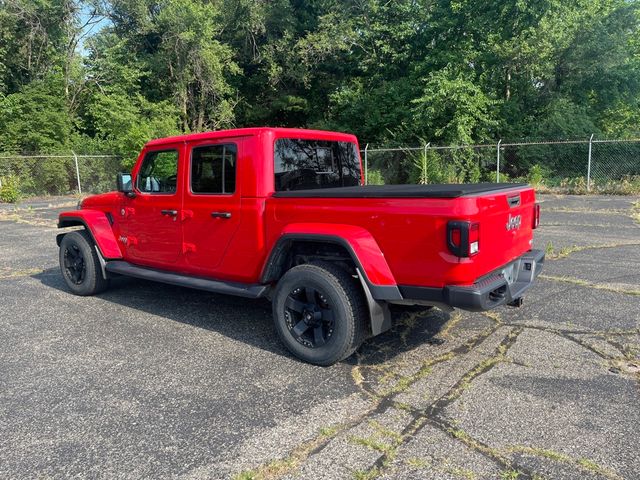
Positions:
{"x": 379, "y": 314}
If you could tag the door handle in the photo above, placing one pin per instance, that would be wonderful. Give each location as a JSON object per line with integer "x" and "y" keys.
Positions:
{"x": 226, "y": 215}
{"x": 171, "y": 213}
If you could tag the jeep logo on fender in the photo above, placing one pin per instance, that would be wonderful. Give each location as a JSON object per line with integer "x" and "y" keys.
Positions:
{"x": 514, "y": 222}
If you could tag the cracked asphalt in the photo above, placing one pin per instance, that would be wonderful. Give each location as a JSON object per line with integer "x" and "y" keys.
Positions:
{"x": 154, "y": 381}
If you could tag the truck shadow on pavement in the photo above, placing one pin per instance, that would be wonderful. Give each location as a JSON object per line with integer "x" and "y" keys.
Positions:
{"x": 249, "y": 321}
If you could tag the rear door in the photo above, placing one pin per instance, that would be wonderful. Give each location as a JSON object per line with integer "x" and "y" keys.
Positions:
{"x": 211, "y": 202}
{"x": 151, "y": 231}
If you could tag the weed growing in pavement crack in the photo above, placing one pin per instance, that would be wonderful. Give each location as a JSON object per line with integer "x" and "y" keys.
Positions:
{"x": 277, "y": 468}
{"x": 584, "y": 463}
{"x": 366, "y": 474}
{"x": 564, "y": 252}
{"x": 373, "y": 444}
{"x": 459, "y": 471}
{"x": 415, "y": 462}
{"x": 509, "y": 475}
{"x": 455, "y": 318}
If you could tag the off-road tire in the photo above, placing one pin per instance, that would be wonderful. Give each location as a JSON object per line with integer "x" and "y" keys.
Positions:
{"x": 85, "y": 279}
{"x": 344, "y": 297}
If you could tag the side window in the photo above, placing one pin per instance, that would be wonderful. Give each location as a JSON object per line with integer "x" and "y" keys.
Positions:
{"x": 213, "y": 169}
{"x": 159, "y": 172}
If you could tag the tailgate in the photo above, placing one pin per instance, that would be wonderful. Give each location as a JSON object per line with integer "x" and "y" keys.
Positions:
{"x": 506, "y": 227}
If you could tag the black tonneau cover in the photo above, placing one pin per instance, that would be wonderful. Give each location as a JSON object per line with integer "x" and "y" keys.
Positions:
{"x": 400, "y": 191}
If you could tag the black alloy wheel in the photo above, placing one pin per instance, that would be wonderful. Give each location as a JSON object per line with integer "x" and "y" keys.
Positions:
{"x": 74, "y": 267}
{"x": 320, "y": 312}
{"x": 80, "y": 265}
{"x": 309, "y": 317}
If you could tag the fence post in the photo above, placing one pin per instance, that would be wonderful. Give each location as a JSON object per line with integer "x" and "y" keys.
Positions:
{"x": 498, "y": 163}
{"x": 589, "y": 165}
{"x": 366, "y": 165}
{"x": 75, "y": 158}
{"x": 424, "y": 163}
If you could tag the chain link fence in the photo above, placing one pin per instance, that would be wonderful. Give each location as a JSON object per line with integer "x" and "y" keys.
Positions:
{"x": 59, "y": 174}
{"x": 568, "y": 166}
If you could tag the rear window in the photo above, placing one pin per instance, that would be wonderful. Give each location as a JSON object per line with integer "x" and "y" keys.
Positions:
{"x": 309, "y": 164}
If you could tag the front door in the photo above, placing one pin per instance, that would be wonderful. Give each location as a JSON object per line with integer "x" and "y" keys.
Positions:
{"x": 211, "y": 203}
{"x": 151, "y": 229}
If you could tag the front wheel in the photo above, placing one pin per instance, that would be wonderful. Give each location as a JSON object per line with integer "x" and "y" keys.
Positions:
{"x": 320, "y": 313}
{"x": 80, "y": 265}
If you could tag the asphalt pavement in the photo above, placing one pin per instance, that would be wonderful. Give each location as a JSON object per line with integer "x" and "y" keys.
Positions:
{"x": 155, "y": 381}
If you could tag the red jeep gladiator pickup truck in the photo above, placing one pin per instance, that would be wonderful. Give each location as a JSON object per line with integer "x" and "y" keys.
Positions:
{"x": 282, "y": 214}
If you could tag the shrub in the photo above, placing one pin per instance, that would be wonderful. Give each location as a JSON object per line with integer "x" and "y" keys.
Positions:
{"x": 576, "y": 186}
{"x": 374, "y": 177}
{"x": 537, "y": 175}
{"x": 10, "y": 190}
{"x": 431, "y": 167}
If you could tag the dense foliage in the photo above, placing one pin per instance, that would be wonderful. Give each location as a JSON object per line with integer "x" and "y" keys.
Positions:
{"x": 107, "y": 75}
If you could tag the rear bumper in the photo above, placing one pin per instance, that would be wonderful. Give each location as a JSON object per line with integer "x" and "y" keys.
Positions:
{"x": 505, "y": 285}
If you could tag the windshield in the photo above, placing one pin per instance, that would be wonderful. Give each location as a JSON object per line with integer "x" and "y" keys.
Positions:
{"x": 309, "y": 164}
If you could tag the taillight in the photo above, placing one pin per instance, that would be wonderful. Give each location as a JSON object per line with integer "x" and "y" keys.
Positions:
{"x": 536, "y": 215}
{"x": 463, "y": 238}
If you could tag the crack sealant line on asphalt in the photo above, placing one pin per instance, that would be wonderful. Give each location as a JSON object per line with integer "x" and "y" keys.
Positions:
{"x": 606, "y": 211}
{"x": 568, "y": 251}
{"x": 568, "y": 335}
{"x": 596, "y": 286}
{"x": 573, "y": 332}
{"x": 419, "y": 415}
{"x": 633, "y": 226}
{"x": 411, "y": 379}
{"x": 4, "y": 275}
{"x": 379, "y": 405}
{"x": 432, "y": 414}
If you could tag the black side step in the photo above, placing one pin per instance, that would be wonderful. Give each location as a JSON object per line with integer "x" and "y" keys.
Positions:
{"x": 216, "y": 286}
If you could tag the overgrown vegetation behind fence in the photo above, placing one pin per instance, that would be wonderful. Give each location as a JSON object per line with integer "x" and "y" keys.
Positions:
{"x": 35, "y": 175}
{"x": 576, "y": 166}
{"x": 573, "y": 166}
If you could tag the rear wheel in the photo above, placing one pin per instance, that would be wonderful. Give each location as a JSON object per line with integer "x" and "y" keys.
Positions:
{"x": 320, "y": 313}
{"x": 80, "y": 265}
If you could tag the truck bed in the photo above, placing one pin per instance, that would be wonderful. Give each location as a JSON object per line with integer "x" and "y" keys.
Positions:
{"x": 400, "y": 191}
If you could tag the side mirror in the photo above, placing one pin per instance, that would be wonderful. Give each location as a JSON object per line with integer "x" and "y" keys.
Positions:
{"x": 124, "y": 184}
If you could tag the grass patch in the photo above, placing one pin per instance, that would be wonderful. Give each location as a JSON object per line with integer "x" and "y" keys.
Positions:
{"x": 455, "y": 318}
{"x": 509, "y": 475}
{"x": 493, "y": 315}
{"x": 366, "y": 474}
{"x": 385, "y": 432}
{"x": 460, "y": 472}
{"x": 415, "y": 462}
{"x": 373, "y": 444}
{"x": 356, "y": 375}
{"x": 329, "y": 431}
